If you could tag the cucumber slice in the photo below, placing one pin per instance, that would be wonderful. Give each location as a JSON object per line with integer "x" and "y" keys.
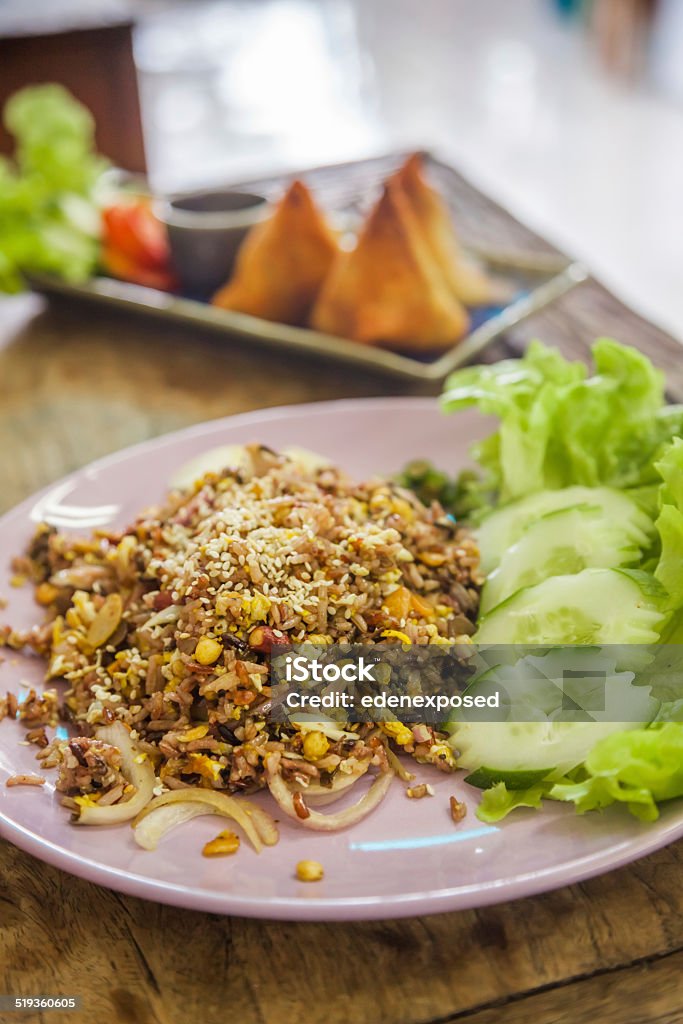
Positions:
{"x": 503, "y": 528}
{"x": 562, "y": 543}
{"x": 540, "y": 736}
{"x": 569, "y": 683}
{"x": 548, "y": 749}
{"x": 484, "y": 778}
{"x": 596, "y": 606}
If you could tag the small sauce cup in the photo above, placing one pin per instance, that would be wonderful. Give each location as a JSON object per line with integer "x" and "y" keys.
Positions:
{"x": 205, "y": 230}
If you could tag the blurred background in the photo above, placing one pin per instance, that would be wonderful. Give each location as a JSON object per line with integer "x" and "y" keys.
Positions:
{"x": 570, "y": 112}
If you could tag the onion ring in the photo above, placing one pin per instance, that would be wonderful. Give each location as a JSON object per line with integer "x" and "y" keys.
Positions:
{"x": 139, "y": 773}
{"x": 316, "y": 821}
{"x": 221, "y": 803}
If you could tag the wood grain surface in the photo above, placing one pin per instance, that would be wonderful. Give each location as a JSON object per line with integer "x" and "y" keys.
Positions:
{"x": 75, "y": 384}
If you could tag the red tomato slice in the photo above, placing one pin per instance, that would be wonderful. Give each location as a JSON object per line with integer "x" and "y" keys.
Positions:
{"x": 132, "y": 229}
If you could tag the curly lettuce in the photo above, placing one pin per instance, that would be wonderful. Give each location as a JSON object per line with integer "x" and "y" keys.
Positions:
{"x": 640, "y": 768}
{"x": 49, "y": 220}
{"x": 559, "y": 426}
{"x": 669, "y": 523}
{"x": 497, "y": 802}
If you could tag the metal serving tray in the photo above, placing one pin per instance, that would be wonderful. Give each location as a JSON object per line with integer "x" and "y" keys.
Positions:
{"x": 538, "y": 278}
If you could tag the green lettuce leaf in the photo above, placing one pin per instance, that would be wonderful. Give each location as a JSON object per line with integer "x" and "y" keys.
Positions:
{"x": 669, "y": 523}
{"x": 670, "y": 711}
{"x": 638, "y": 768}
{"x": 559, "y": 426}
{"x": 49, "y": 220}
{"x": 497, "y": 802}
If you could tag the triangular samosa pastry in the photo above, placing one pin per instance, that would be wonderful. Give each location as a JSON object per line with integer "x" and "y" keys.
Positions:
{"x": 467, "y": 281}
{"x": 282, "y": 262}
{"x": 388, "y": 290}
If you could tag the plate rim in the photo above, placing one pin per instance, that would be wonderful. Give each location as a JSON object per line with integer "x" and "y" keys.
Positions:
{"x": 296, "y": 909}
{"x": 346, "y": 908}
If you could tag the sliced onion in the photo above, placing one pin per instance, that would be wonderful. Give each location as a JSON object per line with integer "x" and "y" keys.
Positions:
{"x": 284, "y": 797}
{"x": 155, "y": 825}
{"x": 397, "y": 767}
{"x": 264, "y": 823}
{"x": 227, "y": 806}
{"x": 141, "y": 775}
{"x": 322, "y": 795}
{"x": 159, "y": 820}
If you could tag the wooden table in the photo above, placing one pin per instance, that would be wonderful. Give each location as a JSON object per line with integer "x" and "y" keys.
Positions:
{"x": 75, "y": 385}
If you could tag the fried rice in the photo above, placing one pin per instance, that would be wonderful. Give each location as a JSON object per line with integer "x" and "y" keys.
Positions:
{"x": 164, "y": 629}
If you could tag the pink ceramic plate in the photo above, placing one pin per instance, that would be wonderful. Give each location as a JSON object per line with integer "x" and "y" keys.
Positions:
{"x": 406, "y": 858}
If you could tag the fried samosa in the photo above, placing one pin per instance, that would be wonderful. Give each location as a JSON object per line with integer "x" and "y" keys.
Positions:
{"x": 282, "y": 262}
{"x": 467, "y": 281}
{"x": 388, "y": 290}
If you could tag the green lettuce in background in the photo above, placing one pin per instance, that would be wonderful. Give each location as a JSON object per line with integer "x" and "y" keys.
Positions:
{"x": 49, "y": 218}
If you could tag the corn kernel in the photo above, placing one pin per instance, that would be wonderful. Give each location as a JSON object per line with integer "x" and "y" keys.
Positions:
{"x": 204, "y": 766}
{"x": 398, "y": 603}
{"x": 398, "y": 732}
{"x": 309, "y": 871}
{"x": 432, "y": 558}
{"x": 224, "y": 844}
{"x": 441, "y": 754}
{"x": 178, "y": 670}
{"x": 315, "y": 746}
{"x": 260, "y": 606}
{"x": 404, "y": 509}
{"x": 397, "y": 634}
{"x": 208, "y": 651}
{"x": 72, "y": 619}
{"x": 87, "y": 800}
{"x": 46, "y": 593}
{"x": 198, "y": 733}
{"x": 380, "y": 501}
